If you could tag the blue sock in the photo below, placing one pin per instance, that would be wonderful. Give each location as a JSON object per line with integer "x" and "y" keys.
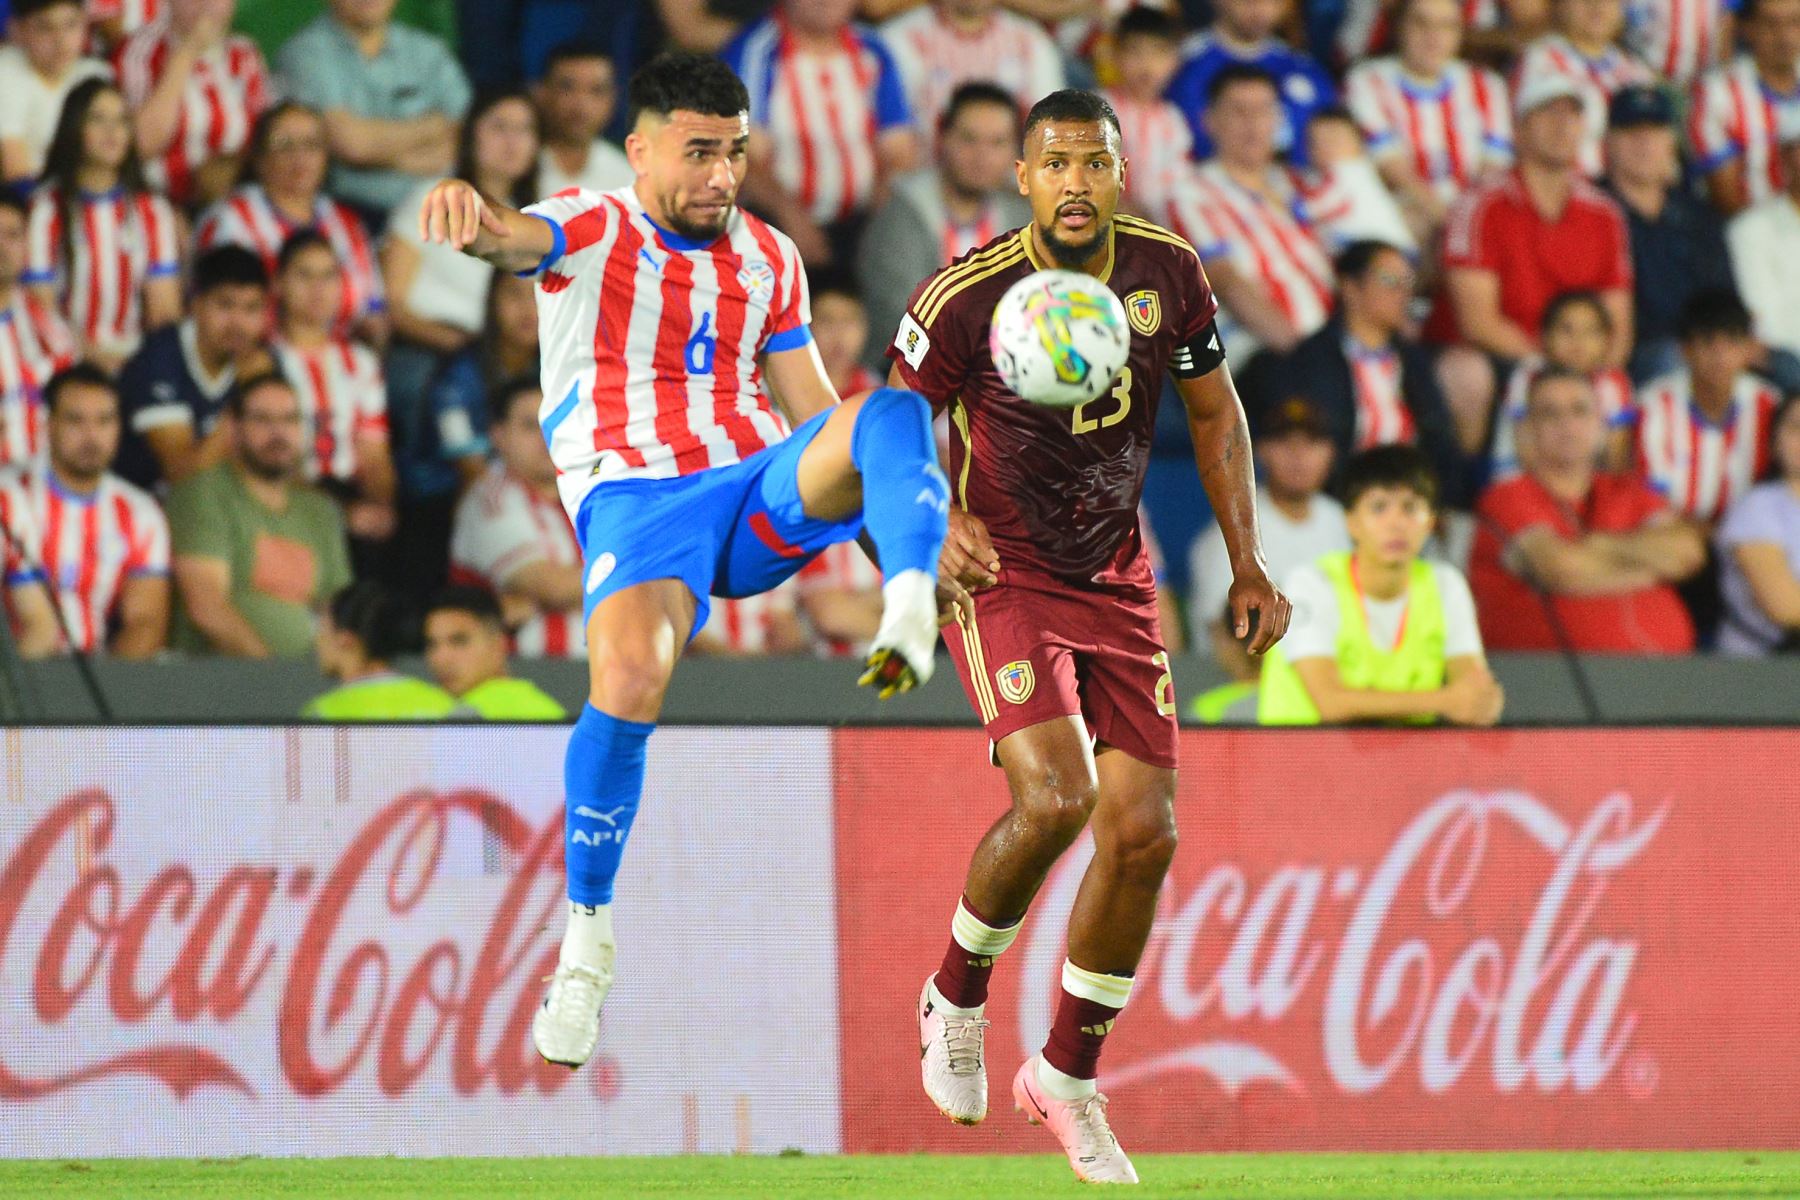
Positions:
{"x": 906, "y": 499}
{"x": 603, "y": 779}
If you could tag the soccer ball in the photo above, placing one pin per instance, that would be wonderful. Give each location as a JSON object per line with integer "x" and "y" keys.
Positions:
{"x": 1059, "y": 338}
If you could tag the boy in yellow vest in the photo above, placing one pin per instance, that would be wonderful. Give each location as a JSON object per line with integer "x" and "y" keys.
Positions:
{"x": 1380, "y": 634}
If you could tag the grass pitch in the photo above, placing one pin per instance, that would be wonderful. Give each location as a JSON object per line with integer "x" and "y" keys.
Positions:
{"x": 1258, "y": 1176}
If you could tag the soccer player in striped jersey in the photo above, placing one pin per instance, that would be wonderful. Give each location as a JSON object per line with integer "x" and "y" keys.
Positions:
{"x": 1703, "y": 431}
{"x": 79, "y": 539}
{"x": 1738, "y": 110}
{"x": 1435, "y": 123}
{"x": 196, "y": 90}
{"x": 1063, "y": 655}
{"x": 34, "y": 343}
{"x": 341, "y": 388}
{"x": 511, "y": 535}
{"x": 663, "y": 309}
{"x": 285, "y": 194}
{"x": 102, "y": 246}
{"x": 1585, "y": 49}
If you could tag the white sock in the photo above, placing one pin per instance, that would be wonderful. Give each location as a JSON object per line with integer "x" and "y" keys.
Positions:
{"x": 588, "y": 940}
{"x": 942, "y": 1005}
{"x": 1061, "y": 1086}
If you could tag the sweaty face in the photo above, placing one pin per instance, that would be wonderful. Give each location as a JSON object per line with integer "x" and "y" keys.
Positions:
{"x": 51, "y": 40}
{"x": 268, "y": 434}
{"x": 692, "y": 165}
{"x": 461, "y": 650}
{"x": 310, "y": 288}
{"x": 12, "y": 247}
{"x": 1244, "y": 122}
{"x": 520, "y": 442}
{"x": 1389, "y": 524}
{"x": 84, "y": 431}
{"x": 1562, "y": 428}
{"x": 106, "y": 132}
{"x": 1072, "y": 173}
{"x": 1577, "y": 338}
{"x": 977, "y": 149}
{"x": 229, "y": 319}
{"x": 294, "y": 158}
{"x": 1430, "y": 35}
{"x": 577, "y": 99}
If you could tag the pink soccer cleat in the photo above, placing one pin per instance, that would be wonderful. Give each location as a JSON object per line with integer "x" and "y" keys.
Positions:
{"x": 950, "y": 1060}
{"x": 1080, "y": 1125}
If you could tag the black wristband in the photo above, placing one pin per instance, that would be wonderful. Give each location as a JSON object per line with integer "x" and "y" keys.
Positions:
{"x": 1201, "y": 356}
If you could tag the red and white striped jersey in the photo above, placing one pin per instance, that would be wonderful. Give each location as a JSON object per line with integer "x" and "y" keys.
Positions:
{"x": 1678, "y": 38}
{"x": 935, "y": 59}
{"x": 343, "y": 396}
{"x": 132, "y": 15}
{"x": 1702, "y": 466}
{"x": 84, "y": 547}
{"x": 1155, "y": 137}
{"x": 503, "y": 525}
{"x": 1382, "y": 417}
{"x": 747, "y": 624}
{"x": 121, "y": 241}
{"x": 1275, "y": 241}
{"x": 1597, "y": 78}
{"x": 226, "y": 92}
{"x": 822, "y": 111}
{"x": 1368, "y": 25}
{"x": 1612, "y": 386}
{"x": 1451, "y": 132}
{"x": 249, "y": 218}
{"x": 841, "y": 567}
{"x": 652, "y": 343}
{"x": 1736, "y": 115}
{"x": 34, "y": 345}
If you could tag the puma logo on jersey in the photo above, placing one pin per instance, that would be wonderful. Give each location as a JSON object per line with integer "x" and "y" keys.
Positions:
{"x": 611, "y": 818}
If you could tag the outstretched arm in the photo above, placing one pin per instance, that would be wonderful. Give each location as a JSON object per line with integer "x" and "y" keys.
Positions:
{"x": 1222, "y": 451}
{"x": 455, "y": 214}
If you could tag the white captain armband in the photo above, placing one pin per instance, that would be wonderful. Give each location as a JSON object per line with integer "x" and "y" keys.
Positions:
{"x": 1200, "y": 356}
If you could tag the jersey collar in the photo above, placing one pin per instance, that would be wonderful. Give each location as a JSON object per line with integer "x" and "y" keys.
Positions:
{"x": 1028, "y": 239}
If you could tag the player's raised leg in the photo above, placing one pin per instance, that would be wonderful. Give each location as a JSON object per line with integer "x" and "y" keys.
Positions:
{"x": 635, "y": 636}
{"x": 875, "y": 454}
{"x": 1134, "y": 843}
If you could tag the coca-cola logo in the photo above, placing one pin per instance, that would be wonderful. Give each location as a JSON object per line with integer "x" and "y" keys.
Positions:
{"x": 1475, "y": 946}
{"x": 191, "y": 950}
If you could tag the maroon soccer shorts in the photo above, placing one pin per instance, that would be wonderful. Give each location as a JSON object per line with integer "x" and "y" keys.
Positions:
{"x": 1031, "y": 656}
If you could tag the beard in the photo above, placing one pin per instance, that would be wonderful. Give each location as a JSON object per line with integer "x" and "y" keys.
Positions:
{"x": 270, "y": 467}
{"x": 677, "y": 221}
{"x": 1070, "y": 255}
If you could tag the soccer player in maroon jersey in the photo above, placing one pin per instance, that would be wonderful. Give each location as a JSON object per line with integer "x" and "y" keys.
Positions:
{"x": 1064, "y": 657}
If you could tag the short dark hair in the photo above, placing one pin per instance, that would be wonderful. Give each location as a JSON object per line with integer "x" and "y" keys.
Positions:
{"x": 1071, "y": 104}
{"x": 15, "y": 202}
{"x": 81, "y": 374}
{"x": 239, "y": 396}
{"x": 1356, "y": 260}
{"x": 1551, "y": 373}
{"x": 1335, "y": 112}
{"x": 1391, "y": 466}
{"x": 229, "y": 266}
{"x": 507, "y": 392}
{"x": 298, "y": 242}
{"x": 574, "y": 51}
{"x": 1240, "y": 72}
{"x": 478, "y": 602}
{"x": 30, "y": 8}
{"x": 1572, "y": 299}
{"x": 681, "y": 80}
{"x": 971, "y": 94}
{"x": 1713, "y": 312}
{"x": 375, "y": 617}
{"x": 1141, "y": 20}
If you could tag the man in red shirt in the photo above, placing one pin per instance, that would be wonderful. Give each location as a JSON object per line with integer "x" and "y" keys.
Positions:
{"x": 1598, "y": 550}
{"x": 1517, "y": 241}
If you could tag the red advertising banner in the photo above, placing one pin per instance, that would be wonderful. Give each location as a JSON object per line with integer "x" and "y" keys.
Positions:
{"x": 1376, "y": 939}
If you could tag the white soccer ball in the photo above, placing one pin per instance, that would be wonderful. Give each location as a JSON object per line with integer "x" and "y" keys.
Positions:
{"x": 1059, "y": 338}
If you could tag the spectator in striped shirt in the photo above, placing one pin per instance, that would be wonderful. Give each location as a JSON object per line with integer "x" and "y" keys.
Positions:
{"x": 177, "y": 384}
{"x": 87, "y": 554}
{"x": 115, "y": 20}
{"x": 196, "y": 90}
{"x": 283, "y": 192}
{"x": 1586, "y": 50}
{"x": 1734, "y": 121}
{"x": 830, "y": 125}
{"x": 1576, "y": 336}
{"x": 937, "y": 215}
{"x": 1244, "y": 35}
{"x": 1153, "y": 133}
{"x": 1435, "y": 123}
{"x": 1364, "y": 208}
{"x": 343, "y": 394}
{"x": 1681, "y": 38}
{"x": 102, "y": 246}
{"x": 1765, "y": 246}
{"x": 34, "y": 343}
{"x": 512, "y": 536}
{"x": 575, "y": 101}
{"x": 942, "y": 44}
{"x": 37, "y": 72}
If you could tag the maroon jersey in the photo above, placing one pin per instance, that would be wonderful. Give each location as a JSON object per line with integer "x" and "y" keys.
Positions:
{"x": 1057, "y": 488}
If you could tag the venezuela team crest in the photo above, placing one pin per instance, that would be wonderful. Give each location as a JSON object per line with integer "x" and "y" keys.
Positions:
{"x": 1016, "y": 681}
{"x": 1144, "y": 309}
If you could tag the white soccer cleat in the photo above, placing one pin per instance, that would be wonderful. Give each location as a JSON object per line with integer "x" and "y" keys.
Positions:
{"x": 567, "y": 1024}
{"x": 904, "y": 650}
{"x": 950, "y": 1059}
{"x": 1080, "y": 1125}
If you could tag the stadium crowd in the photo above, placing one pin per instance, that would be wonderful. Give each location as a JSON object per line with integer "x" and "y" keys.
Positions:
{"x": 245, "y": 410}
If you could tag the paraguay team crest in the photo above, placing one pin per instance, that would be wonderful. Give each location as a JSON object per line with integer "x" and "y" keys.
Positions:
{"x": 1016, "y": 681}
{"x": 1144, "y": 308}
{"x": 758, "y": 279}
